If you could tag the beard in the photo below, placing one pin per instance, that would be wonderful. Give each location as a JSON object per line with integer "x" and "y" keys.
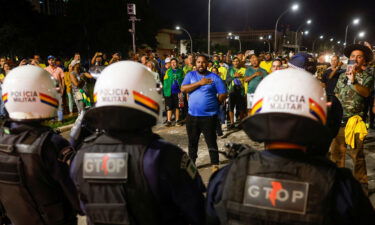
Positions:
{"x": 201, "y": 69}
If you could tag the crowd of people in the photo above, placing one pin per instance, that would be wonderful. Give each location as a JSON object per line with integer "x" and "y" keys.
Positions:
{"x": 241, "y": 73}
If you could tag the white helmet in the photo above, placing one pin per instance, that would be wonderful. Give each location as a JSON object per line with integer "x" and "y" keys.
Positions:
{"x": 289, "y": 105}
{"x": 29, "y": 93}
{"x": 126, "y": 95}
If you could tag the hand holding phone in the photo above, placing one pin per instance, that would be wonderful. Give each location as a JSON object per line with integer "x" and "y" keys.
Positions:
{"x": 350, "y": 71}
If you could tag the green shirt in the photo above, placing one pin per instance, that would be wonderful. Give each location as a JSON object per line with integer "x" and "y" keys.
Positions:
{"x": 253, "y": 84}
{"x": 352, "y": 102}
{"x": 235, "y": 84}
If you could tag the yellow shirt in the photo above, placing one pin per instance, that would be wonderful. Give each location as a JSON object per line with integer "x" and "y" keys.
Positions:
{"x": 223, "y": 72}
{"x": 266, "y": 66}
{"x": 68, "y": 82}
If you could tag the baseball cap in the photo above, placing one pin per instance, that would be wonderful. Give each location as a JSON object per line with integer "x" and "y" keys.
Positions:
{"x": 51, "y": 57}
{"x": 303, "y": 61}
{"x": 167, "y": 60}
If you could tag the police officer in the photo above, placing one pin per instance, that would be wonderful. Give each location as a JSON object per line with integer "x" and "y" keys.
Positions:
{"x": 284, "y": 184}
{"x": 126, "y": 174}
{"x": 35, "y": 187}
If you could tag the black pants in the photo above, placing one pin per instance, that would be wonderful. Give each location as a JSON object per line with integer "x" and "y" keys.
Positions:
{"x": 195, "y": 125}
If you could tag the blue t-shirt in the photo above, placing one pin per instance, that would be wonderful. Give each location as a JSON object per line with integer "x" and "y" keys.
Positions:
{"x": 203, "y": 100}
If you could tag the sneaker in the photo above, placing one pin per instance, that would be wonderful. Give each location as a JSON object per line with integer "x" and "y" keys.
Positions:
{"x": 168, "y": 124}
{"x": 179, "y": 123}
{"x": 214, "y": 168}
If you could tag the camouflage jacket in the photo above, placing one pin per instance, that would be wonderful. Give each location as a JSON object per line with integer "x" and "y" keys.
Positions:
{"x": 352, "y": 102}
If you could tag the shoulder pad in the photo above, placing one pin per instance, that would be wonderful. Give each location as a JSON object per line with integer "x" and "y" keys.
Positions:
{"x": 91, "y": 138}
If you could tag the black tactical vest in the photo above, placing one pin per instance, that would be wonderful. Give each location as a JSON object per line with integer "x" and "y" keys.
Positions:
{"x": 261, "y": 189}
{"x": 27, "y": 191}
{"x": 112, "y": 185}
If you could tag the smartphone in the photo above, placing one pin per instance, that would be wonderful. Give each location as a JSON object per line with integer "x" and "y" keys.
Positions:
{"x": 350, "y": 68}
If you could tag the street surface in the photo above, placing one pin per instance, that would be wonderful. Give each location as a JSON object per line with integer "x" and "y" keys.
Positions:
{"x": 178, "y": 136}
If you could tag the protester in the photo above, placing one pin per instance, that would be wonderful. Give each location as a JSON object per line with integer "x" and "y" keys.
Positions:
{"x": 206, "y": 91}
{"x": 236, "y": 91}
{"x": 352, "y": 88}
{"x": 266, "y": 64}
{"x": 253, "y": 76}
{"x": 321, "y": 66}
{"x": 276, "y": 65}
{"x": 331, "y": 75}
{"x": 77, "y": 78}
{"x": 172, "y": 87}
{"x": 58, "y": 74}
{"x": 97, "y": 59}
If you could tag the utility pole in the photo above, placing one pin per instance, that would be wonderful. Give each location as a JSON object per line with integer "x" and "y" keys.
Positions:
{"x": 132, "y": 13}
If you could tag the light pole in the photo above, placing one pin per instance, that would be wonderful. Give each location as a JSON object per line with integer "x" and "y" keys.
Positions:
{"x": 355, "y": 22}
{"x": 313, "y": 45}
{"x": 209, "y": 29}
{"x": 360, "y": 35}
{"x": 293, "y": 8}
{"x": 269, "y": 44}
{"x": 132, "y": 13}
{"x": 191, "y": 40}
{"x": 235, "y": 37}
{"x": 308, "y": 22}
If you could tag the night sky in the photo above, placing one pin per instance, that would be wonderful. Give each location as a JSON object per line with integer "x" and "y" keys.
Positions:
{"x": 330, "y": 17}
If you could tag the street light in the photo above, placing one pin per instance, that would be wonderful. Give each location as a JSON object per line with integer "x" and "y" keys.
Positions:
{"x": 355, "y": 22}
{"x": 191, "y": 40}
{"x": 293, "y": 8}
{"x": 209, "y": 29}
{"x": 360, "y": 35}
{"x": 321, "y": 38}
{"x": 235, "y": 37}
{"x": 331, "y": 39}
{"x": 306, "y": 32}
{"x": 268, "y": 41}
{"x": 308, "y": 22}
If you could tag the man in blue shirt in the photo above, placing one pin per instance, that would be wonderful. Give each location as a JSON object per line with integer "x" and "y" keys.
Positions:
{"x": 206, "y": 91}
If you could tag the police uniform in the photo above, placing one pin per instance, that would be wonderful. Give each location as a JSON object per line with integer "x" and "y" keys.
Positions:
{"x": 286, "y": 186}
{"x": 35, "y": 187}
{"x": 137, "y": 179}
